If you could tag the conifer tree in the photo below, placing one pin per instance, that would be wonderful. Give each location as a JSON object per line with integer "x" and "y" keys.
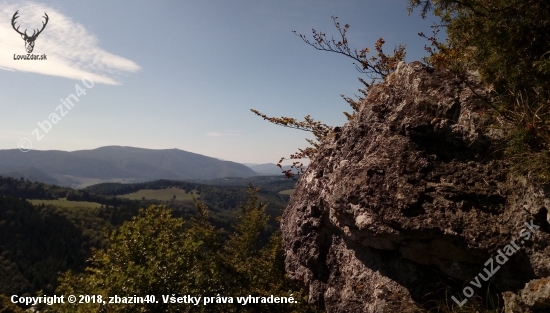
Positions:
{"x": 157, "y": 254}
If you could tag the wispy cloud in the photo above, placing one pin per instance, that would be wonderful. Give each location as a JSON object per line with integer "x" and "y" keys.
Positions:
{"x": 72, "y": 51}
{"x": 228, "y": 132}
{"x": 14, "y": 135}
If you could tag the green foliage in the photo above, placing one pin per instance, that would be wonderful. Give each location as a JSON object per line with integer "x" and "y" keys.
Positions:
{"x": 66, "y": 204}
{"x": 30, "y": 190}
{"x": 150, "y": 255}
{"x": 269, "y": 184}
{"x": 157, "y": 254}
{"x": 507, "y": 42}
{"x": 219, "y": 197}
{"x": 7, "y": 307}
{"x": 35, "y": 244}
{"x": 166, "y": 194}
{"x": 260, "y": 264}
{"x": 38, "y": 242}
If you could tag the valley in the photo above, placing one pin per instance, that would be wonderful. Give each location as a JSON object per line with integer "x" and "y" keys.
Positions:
{"x": 36, "y": 216}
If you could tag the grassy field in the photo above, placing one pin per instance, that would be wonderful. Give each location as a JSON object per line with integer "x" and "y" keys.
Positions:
{"x": 161, "y": 194}
{"x": 286, "y": 192}
{"x": 66, "y": 204}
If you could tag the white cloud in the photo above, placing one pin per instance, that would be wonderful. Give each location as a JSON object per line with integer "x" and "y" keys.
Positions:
{"x": 228, "y": 132}
{"x": 213, "y": 134}
{"x": 14, "y": 135}
{"x": 72, "y": 51}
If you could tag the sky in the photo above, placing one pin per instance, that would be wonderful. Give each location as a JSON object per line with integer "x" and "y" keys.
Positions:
{"x": 184, "y": 74}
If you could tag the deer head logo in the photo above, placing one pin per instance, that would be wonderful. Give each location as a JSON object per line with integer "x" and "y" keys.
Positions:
{"x": 29, "y": 40}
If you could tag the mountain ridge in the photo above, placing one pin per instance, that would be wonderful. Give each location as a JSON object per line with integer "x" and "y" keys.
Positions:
{"x": 117, "y": 164}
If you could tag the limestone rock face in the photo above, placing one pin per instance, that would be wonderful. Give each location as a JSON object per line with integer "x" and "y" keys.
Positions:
{"x": 412, "y": 197}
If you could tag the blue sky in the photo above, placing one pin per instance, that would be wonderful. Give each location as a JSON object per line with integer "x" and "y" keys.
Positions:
{"x": 184, "y": 74}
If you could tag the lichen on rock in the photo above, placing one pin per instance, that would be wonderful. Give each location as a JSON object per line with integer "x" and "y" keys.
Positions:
{"x": 412, "y": 192}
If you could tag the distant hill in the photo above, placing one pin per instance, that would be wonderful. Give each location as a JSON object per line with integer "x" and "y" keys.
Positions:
{"x": 31, "y": 173}
{"x": 267, "y": 168}
{"x": 115, "y": 164}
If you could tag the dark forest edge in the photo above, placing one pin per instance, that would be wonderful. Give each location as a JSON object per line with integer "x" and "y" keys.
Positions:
{"x": 39, "y": 242}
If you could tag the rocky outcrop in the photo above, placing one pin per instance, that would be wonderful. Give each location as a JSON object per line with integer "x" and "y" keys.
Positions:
{"x": 411, "y": 202}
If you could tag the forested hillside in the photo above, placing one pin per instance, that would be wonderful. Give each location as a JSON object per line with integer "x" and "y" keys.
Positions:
{"x": 37, "y": 242}
{"x": 222, "y": 193}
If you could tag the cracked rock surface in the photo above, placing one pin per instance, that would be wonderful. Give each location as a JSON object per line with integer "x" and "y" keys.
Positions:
{"x": 412, "y": 193}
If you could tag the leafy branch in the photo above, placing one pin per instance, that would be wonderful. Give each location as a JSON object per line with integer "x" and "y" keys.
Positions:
{"x": 375, "y": 67}
{"x": 318, "y": 129}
